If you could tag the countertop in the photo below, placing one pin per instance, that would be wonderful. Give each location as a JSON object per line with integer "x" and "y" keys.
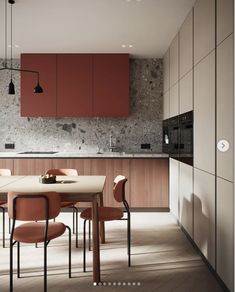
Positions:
{"x": 9, "y": 154}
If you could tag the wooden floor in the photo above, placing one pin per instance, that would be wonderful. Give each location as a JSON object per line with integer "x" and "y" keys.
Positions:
{"x": 163, "y": 260}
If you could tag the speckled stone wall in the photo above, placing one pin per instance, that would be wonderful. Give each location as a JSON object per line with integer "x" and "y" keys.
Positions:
{"x": 89, "y": 134}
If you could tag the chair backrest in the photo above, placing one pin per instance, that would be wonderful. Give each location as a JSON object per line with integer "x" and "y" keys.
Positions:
{"x": 62, "y": 171}
{"x": 31, "y": 207}
{"x": 5, "y": 172}
{"x": 119, "y": 188}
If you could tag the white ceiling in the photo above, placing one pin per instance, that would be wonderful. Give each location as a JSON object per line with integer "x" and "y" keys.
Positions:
{"x": 76, "y": 26}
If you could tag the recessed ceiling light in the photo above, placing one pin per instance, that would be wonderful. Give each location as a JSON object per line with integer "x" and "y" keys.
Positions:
{"x": 123, "y": 46}
{"x": 130, "y": 46}
{"x": 16, "y": 46}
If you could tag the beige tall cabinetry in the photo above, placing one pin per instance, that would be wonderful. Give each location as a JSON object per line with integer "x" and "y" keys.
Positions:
{"x": 204, "y": 114}
{"x": 202, "y": 197}
{"x": 186, "y": 197}
{"x": 225, "y": 130}
{"x": 174, "y": 187}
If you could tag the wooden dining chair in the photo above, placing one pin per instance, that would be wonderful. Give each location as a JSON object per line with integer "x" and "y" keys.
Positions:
{"x": 110, "y": 214}
{"x": 34, "y": 207}
{"x": 3, "y": 206}
{"x": 68, "y": 204}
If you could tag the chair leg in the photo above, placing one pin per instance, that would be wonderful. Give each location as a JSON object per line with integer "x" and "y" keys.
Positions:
{"x": 3, "y": 227}
{"x": 9, "y": 226}
{"x": 18, "y": 259}
{"x": 73, "y": 222}
{"x": 84, "y": 246}
{"x": 89, "y": 235}
{"x": 69, "y": 251}
{"x": 76, "y": 213}
{"x": 129, "y": 240}
{"x": 45, "y": 266}
{"x": 11, "y": 265}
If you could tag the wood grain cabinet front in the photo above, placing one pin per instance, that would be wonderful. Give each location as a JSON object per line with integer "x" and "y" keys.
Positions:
{"x": 149, "y": 183}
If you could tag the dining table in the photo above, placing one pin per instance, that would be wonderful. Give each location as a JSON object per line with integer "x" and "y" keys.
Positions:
{"x": 71, "y": 188}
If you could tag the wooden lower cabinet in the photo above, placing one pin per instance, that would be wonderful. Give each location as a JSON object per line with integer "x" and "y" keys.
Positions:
{"x": 149, "y": 183}
{"x": 7, "y": 163}
{"x": 83, "y": 166}
{"x": 31, "y": 166}
{"x": 111, "y": 168}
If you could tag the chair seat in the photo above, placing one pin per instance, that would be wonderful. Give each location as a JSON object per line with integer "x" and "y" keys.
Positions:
{"x": 34, "y": 232}
{"x": 67, "y": 204}
{"x": 105, "y": 214}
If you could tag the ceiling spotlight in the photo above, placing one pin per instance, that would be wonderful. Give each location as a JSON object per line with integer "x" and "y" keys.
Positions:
{"x": 130, "y": 46}
{"x": 123, "y": 46}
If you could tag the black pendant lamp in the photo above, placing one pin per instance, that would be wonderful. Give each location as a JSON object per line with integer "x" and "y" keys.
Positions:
{"x": 11, "y": 87}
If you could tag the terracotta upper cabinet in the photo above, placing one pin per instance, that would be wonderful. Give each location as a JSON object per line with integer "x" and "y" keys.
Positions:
{"x": 74, "y": 85}
{"x": 38, "y": 104}
{"x": 111, "y": 85}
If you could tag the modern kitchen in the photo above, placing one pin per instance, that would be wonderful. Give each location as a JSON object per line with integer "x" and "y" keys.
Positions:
{"x": 119, "y": 113}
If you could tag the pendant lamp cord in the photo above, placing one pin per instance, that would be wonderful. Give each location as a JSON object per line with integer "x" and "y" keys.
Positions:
{"x": 5, "y": 34}
{"x": 11, "y": 41}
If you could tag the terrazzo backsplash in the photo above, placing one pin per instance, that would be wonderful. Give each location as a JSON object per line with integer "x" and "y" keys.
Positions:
{"x": 144, "y": 125}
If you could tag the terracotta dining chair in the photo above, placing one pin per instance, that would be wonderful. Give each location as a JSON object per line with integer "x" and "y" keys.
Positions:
{"x": 72, "y": 205}
{"x": 34, "y": 207}
{"x": 3, "y": 205}
{"x": 110, "y": 214}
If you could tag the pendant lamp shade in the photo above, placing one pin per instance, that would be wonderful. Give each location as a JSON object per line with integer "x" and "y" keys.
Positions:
{"x": 38, "y": 88}
{"x": 11, "y": 88}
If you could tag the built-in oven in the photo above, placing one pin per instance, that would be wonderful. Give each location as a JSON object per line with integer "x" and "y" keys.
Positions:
{"x": 186, "y": 138}
{"x": 178, "y": 137}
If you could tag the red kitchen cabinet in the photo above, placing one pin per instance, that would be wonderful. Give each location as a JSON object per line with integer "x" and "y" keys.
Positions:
{"x": 38, "y": 104}
{"x": 111, "y": 85}
{"x": 74, "y": 85}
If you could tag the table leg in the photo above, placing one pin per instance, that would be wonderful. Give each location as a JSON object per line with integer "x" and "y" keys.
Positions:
{"x": 102, "y": 228}
{"x": 95, "y": 238}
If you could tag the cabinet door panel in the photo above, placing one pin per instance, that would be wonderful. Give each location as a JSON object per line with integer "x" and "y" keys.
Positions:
{"x": 111, "y": 168}
{"x": 166, "y": 105}
{"x": 111, "y": 85}
{"x": 225, "y": 232}
{"x": 174, "y": 100}
{"x": 174, "y": 61}
{"x": 7, "y": 163}
{"x": 38, "y": 104}
{"x": 74, "y": 83}
{"x": 204, "y": 213}
{"x": 149, "y": 183}
{"x": 186, "y": 197}
{"x": 166, "y": 71}
{"x": 225, "y": 111}
{"x": 31, "y": 166}
{"x": 204, "y": 28}
{"x": 224, "y": 19}
{"x": 186, "y": 93}
{"x": 204, "y": 114}
{"x": 186, "y": 45}
{"x": 83, "y": 166}
{"x": 174, "y": 187}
